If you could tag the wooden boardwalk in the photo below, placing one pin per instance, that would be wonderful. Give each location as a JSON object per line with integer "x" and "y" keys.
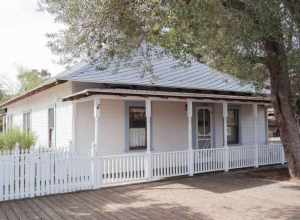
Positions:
{"x": 207, "y": 197}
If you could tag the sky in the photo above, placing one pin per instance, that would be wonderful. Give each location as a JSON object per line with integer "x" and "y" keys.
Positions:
{"x": 23, "y": 39}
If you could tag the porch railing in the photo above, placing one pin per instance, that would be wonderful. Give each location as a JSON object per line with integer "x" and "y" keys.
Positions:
{"x": 42, "y": 172}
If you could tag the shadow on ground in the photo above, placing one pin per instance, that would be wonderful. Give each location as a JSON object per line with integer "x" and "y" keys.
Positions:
{"x": 221, "y": 182}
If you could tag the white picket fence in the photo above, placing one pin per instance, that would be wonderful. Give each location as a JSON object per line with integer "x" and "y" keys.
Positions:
{"x": 166, "y": 164}
{"x": 26, "y": 174}
{"x": 36, "y": 173}
{"x": 123, "y": 168}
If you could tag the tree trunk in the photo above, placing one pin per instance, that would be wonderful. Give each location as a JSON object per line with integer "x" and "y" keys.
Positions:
{"x": 282, "y": 102}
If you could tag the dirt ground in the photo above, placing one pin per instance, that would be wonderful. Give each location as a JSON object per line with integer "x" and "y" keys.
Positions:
{"x": 239, "y": 195}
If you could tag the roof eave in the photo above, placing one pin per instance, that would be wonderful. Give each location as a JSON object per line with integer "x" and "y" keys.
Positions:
{"x": 33, "y": 91}
{"x": 161, "y": 94}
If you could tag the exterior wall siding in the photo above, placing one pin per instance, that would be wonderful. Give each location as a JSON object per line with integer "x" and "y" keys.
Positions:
{"x": 169, "y": 121}
{"x": 38, "y": 106}
{"x": 84, "y": 126}
{"x": 247, "y": 123}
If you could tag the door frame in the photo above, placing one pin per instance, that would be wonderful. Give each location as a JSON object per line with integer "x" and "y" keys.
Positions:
{"x": 209, "y": 108}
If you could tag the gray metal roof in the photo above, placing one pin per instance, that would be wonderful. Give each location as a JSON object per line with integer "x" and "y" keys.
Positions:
{"x": 167, "y": 72}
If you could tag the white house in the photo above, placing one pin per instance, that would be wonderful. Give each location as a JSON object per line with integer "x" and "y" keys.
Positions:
{"x": 121, "y": 126}
{"x": 120, "y": 110}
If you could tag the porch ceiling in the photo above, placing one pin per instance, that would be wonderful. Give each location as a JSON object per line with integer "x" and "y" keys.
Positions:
{"x": 163, "y": 95}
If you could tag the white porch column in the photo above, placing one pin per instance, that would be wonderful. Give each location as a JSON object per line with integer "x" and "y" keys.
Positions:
{"x": 148, "y": 137}
{"x": 225, "y": 142}
{"x": 255, "y": 139}
{"x": 190, "y": 137}
{"x": 96, "y": 179}
{"x": 97, "y": 112}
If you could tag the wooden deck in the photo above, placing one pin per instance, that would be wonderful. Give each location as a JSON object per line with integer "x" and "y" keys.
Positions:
{"x": 207, "y": 197}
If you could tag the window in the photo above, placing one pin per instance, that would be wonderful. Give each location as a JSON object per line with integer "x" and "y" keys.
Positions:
{"x": 137, "y": 128}
{"x": 233, "y": 126}
{"x": 3, "y": 128}
{"x": 9, "y": 124}
{"x": 51, "y": 127}
{"x": 27, "y": 122}
{"x": 204, "y": 128}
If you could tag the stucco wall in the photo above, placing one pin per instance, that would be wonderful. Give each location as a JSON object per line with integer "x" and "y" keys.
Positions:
{"x": 38, "y": 105}
{"x": 169, "y": 126}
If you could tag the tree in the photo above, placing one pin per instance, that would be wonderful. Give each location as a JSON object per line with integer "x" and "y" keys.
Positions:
{"x": 30, "y": 79}
{"x": 252, "y": 39}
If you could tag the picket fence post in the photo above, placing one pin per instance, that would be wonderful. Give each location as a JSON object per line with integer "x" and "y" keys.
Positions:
{"x": 32, "y": 172}
{"x": 92, "y": 157}
{"x": 226, "y": 158}
{"x": 148, "y": 165}
{"x": 256, "y": 162}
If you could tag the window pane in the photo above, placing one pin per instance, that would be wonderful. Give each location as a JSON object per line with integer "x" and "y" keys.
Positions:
{"x": 201, "y": 122}
{"x": 51, "y": 125}
{"x": 137, "y": 128}
{"x": 207, "y": 122}
{"x": 137, "y": 117}
{"x": 51, "y": 117}
{"x": 233, "y": 126}
{"x": 27, "y": 121}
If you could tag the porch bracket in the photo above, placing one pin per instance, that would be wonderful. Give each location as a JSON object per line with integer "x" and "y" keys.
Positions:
{"x": 190, "y": 137}
{"x": 226, "y": 156}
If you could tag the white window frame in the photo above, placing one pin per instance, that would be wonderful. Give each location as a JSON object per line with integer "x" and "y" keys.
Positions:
{"x": 9, "y": 121}
{"x": 209, "y": 108}
{"x": 28, "y": 129}
{"x": 239, "y": 125}
{"x": 54, "y": 127}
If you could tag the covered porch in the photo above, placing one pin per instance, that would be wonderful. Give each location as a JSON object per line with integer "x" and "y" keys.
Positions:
{"x": 142, "y": 135}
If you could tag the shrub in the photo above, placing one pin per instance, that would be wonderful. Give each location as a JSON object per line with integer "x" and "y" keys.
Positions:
{"x": 11, "y": 138}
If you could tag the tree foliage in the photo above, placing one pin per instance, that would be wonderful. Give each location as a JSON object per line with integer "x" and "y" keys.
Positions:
{"x": 256, "y": 40}
{"x": 228, "y": 33}
{"x": 30, "y": 79}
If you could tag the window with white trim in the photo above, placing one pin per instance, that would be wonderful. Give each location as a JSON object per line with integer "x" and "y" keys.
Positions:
{"x": 27, "y": 122}
{"x": 233, "y": 126}
{"x": 137, "y": 128}
{"x": 51, "y": 127}
{"x": 9, "y": 124}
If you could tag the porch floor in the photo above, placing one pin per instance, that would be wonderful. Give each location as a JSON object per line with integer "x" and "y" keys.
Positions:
{"x": 253, "y": 194}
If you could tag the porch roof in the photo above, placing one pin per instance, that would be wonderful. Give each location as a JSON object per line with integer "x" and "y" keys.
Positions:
{"x": 165, "y": 95}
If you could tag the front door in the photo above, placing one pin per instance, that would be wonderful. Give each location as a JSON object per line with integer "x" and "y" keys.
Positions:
{"x": 204, "y": 130}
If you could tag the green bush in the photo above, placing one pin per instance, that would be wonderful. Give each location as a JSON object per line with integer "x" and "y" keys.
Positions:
{"x": 11, "y": 138}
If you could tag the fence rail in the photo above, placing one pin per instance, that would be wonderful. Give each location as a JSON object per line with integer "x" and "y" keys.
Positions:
{"x": 35, "y": 173}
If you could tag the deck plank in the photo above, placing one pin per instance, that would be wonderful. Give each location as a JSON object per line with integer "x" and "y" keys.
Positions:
{"x": 33, "y": 211}
{"x": 2, "y": 212}
{"x": 8, "y": 211}
{"x": 48, "y": 209}
{"x": 16, "y": 208}
{"x": 204, "y": 197}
